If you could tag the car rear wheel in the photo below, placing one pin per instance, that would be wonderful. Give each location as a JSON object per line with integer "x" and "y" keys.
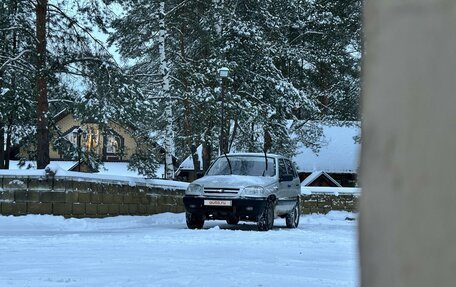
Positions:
{"x": 194, "y": 221}
{"x": 292, "y": 218}
{"x": 266, "y": 219}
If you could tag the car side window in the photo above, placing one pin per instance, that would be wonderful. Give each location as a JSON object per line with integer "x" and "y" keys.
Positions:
{"x": 290, "y": 168}
{"x": 282, "y": 168}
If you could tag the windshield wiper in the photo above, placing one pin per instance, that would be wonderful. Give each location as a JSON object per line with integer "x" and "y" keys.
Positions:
{"x": 229, "y": 163}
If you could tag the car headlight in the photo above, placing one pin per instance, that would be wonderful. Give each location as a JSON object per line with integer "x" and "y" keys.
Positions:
{"x": 254, "y": 191}
{"x": 194, "y": 189}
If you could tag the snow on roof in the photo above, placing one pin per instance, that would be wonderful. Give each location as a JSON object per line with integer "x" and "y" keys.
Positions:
{"x": 309, "y": 190}
{"x": 314, "y": 175}
{"x": 187, "y": 164}
{"x": 108, "y": 168}
{"x": 339, "y": 152}
{"x": 56, "y": 169}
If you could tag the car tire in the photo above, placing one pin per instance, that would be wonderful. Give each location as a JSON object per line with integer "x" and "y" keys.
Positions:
{"x": 232, "y": 220}
{"x": 292, "y": 218}
{"x": 194, "y": 221}
{"x": 266, "y": 219}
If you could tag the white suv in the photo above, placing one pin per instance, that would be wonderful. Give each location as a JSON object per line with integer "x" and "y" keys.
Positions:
{"x": 245, "y": 186}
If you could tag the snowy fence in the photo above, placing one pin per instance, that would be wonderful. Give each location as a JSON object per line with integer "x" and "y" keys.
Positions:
{"x": 76, "y": 197}
{"x": 319, "y": 199}
{"x": 74, "y": 194}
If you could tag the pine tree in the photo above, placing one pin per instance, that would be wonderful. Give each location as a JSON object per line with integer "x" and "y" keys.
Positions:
{"x": 53, "y": 43}
{"x": 16, "y": 74}
{"x": 292, "y": 65}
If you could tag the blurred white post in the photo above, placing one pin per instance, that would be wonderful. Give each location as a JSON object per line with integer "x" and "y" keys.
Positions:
{"x": 408, "y": 166}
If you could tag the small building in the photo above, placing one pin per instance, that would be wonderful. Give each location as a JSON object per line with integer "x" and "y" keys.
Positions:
{"x": 185, "y": 169}
{"x": 112, "y": 142}
{"x": 320, "y": 178}
{"x": 338, "y": 156}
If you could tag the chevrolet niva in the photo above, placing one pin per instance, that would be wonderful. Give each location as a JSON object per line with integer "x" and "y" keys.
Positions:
{"x": 245, "y": 186}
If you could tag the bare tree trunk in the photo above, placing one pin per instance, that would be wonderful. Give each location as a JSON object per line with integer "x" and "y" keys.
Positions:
{"x": 42, "y": 144}
{"x": 196, "y": 163}
{"x": 252, "y": 138}
{"x": 12, "y": 115}
{"x": 8, "y": 145}
{"x": 233, "y": 134}
{"x": 187, "y": 122}
{"x": 4, "y": 47}
{"x": 267, "y": 140}
{"x": 207, "y": 147}
{"x": 206, "y": 154}
{"x": 2, "y": 147}
{"x": 2, "y": 134}
{"x": 164, "y": 71}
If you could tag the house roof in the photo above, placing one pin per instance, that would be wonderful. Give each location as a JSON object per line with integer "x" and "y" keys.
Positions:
{"x": 315, "y": 175}
{"x": 65, "y": 112}
{"x": 338, "y": 154}
{"x": 83, "y": 166}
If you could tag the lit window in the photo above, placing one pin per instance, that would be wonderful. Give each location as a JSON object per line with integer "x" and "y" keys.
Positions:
{"x": 112, "y": 144}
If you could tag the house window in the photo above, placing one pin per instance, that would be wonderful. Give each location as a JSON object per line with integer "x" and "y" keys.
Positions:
{"x": 89, "y": 137}
{"x": 113, "y": 144}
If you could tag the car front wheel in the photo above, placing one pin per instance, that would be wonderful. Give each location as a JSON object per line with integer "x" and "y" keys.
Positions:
{"x": 292, "y": 218}
{"x": 266, "y": 219}
{"x": 194, "y": 221}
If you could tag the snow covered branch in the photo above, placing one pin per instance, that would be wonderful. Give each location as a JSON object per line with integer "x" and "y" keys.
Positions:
{"x": 74, "y": 22}
{"x": 14, "y": 59}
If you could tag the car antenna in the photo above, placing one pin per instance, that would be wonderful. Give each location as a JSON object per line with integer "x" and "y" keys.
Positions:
{"x": 266, "y": 161}
{"x": 266, "y": 146}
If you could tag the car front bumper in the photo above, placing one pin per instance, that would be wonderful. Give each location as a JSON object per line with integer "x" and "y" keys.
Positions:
{"x": 242, "y": 208}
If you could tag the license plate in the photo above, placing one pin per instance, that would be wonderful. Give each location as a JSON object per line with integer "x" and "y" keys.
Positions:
{"x": 217, "y": 202}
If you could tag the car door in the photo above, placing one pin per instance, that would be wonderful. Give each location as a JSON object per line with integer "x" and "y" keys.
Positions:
{"x": 287, "y": 197}
{"x": 283, "y": 184}
{"x": 295, "y": 186}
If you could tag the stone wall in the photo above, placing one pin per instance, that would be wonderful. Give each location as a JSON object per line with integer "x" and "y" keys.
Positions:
{"x": 74, "y": 197}
{"x": 323, "y": 203}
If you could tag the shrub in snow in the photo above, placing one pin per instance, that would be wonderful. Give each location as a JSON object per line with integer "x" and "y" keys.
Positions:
{"x": 51, "y": 169}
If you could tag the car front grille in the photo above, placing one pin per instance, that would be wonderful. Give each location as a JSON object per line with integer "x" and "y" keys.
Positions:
{"x": 221, "y": 191}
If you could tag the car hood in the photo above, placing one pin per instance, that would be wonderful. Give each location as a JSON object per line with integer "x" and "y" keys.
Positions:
{"x": 234, "y": 181}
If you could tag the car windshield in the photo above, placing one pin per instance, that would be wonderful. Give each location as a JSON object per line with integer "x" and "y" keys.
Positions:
{"x": 243, "y": 165}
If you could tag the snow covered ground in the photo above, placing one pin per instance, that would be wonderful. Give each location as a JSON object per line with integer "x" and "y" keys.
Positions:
{"x": 158, "y": 250}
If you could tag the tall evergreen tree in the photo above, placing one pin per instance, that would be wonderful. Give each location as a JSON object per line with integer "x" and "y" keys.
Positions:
{"x": 16, "y": 75}
{"x": 291, "y": 64}
{"x": 55, "y": 44}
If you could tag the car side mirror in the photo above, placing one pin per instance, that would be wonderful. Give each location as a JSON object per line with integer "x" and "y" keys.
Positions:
{"x": 286, "y": 177}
